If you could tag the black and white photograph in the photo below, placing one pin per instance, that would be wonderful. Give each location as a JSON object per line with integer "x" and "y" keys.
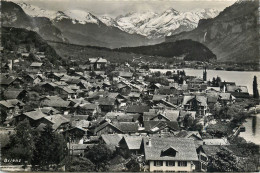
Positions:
{"x": 129, "y": 86}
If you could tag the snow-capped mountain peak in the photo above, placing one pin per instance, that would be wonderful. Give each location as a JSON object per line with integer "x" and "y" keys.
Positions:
{"x": 109, "y": 21}
{"x": 82, "y": 17}
{"x": 36, "y": 11}
{"x": 171, "y": 11}
{"x": 150, "y": 24}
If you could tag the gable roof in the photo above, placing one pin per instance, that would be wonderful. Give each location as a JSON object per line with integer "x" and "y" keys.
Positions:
{"x": 89, "y": 106}
{"x": 185, "y": 147}
{"x": 56, "y": 103}
{"x": 127, "y": 127}
{"x": 125, "y": 74}
{"x": 36, "y": 64}
{"x": 11, "y": 103}
{"x": 7, "y": 80}
{"x": 111, "y": 139}
{"x": 201, "y": 99}
{"x": 106, "y": 101}
{"x": 216, "y": 141}
{"x": 35, "y": 115}
{"x": 56, "y": 120}
{"x": 13, "y": 93}
{"x": 132, "y": 142}
{"x": 137, "y": 109}
{"x": 188, "y": 134}
{"x": 155, "y": 126}
{"x": 103, "y": 125}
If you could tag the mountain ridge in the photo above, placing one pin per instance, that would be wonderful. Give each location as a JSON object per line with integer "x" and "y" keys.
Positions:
{"x": 168, "y": 22}
{"x": 232, "y": 35}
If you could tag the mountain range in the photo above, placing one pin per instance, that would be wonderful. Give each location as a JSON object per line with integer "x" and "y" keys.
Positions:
{"x": 148, "y": 24}
{"x": 233, "y": 35}
{"x": 67, "y": 29}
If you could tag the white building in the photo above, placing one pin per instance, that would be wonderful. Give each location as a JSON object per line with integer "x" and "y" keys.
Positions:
{"x": 170, "y": 154}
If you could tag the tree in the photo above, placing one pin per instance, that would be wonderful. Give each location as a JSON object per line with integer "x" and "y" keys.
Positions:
{"x": 22, "y": 143}
{"x": 99, "y": 155}
{"x": 133, "y": 165}
{"x": 80, "y": 164}
{"x": 50, "y": 148}
{"x": 157, "y": 74}
{"x": 255, "y": 88}
{"x": 218, "y": 80}
{"x": 188, "y": 121}
{"x": 168, "y": 73}
{"x": 224, "y": 161}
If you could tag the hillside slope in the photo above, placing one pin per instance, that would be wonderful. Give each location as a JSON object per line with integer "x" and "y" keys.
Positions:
{"x": 16, "y": 38}
{"x": 188, "y": 49}
{"x": 232, "y": 35}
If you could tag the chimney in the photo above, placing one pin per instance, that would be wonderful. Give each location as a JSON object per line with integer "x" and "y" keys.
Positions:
{"x": 149, "y": 143}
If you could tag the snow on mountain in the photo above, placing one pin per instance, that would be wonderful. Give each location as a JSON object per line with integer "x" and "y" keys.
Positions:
{"x": 150, "y": 24}
{"x": 36, "y": 11}
{"x": 77, "y": 16}
{"x": 82, "y": 17}
{"x": 132, "y": 22}
{"x": 109, "y": 21}
{"x": 158, "y": 25}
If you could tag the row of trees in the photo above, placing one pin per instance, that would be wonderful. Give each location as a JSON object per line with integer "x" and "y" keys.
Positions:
{"x": 40, "y": 149}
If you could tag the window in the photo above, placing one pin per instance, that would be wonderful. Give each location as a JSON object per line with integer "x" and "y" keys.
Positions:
{"x": 170, "y": 163}
{"x": 165, "y": 130}
{"x": 158, "y": 163}
{"x": 158, "y": 171}
{"x": 182, "y": 163}
{"x": 169, "y": 171}
{"x": 203, "y": 158}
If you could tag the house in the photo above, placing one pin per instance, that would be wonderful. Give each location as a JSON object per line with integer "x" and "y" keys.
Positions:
{"x": 58, "y": 122}
{"x": 49, "y": 87}
{"x": 48, "y": 110}
{"x": 107, "y": 104}
{"x": 11, "y": 107}
{"x": 32, "y": 79}
{"x": 134, "y": 96}
{"x": 34, "y": 117}
{"x": 161, "y": 127}
{"x": 65, "y": 92}
{"x": 127, "y": 127}
{"x": 195, "y": 135}
{"x": 57, "y": 103}
{"x": 87, "y": 109}
{"x": 130, "y": 145}
{"x": 14, "y": 93}
{"x": 169, "y": 154}
{"x": 106, "y": 128}
{"x": 140, "y": 109}
{"x": 166, "y": 115}
{"x": 119, "y": 117}
{"x": 238, "y": 91}
{"x": 36, "y": 65}
{"x": 126, "y": 75}
{"x": 195, "y": 103}
{"x": 10, "y": 82}
{"x": 111, "y": 139}
{"x": 226, "y": 98}
{"x": 96, "y": 63}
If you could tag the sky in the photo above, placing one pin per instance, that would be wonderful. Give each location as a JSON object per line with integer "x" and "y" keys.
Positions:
{"x": 114, "y": 8}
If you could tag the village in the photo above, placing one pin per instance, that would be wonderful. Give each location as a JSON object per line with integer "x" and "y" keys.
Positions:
{"x": 156, "y": 122}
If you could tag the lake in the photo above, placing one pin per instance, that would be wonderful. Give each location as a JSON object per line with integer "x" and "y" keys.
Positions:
{"x": 252, "y": 132}
{"x": 244, "y": 78}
